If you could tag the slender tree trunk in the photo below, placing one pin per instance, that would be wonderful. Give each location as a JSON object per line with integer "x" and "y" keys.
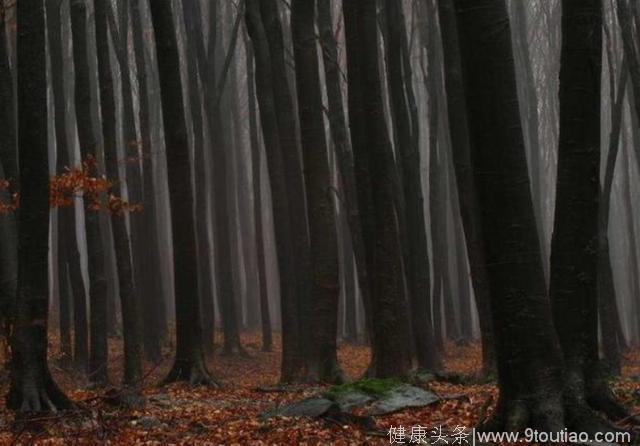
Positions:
{"x": 256, "y": 166}
{"x": 88, "y": 146}
{"x": 128, "y": 299}
{"x": 202, "y": 225}
{"x": 376, "y": 178}
{"x": 189, "y": 362}
{"x": 606, "y": 290}
{"x": 280, "y": 197}
{"x": 407, "y": 135}
{"x": 323, "y": 362}
{"x": 8, "y": 165}
{"x": 153, "y": 304}
{"x": 344, "y": 154}
{"x": 32, "y": 388}
{"x": 298, "y": 315}
{"x": 461, "y": 156}
{"x": 68, "y": 253}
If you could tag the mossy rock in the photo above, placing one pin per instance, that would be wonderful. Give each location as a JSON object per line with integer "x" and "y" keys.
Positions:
{"x": 374, "y": 387}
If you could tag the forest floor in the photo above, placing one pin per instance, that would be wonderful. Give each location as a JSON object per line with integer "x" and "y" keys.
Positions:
{"x": 231, "y": 415}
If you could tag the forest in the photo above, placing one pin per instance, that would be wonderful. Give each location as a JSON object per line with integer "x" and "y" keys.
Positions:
{"x": 319, "y": 222}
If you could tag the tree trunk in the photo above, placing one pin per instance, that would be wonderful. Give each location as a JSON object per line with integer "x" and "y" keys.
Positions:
{"x": 528, "y": 353}
{"x": 189, "y": 364}
{"x": 32, "y": 388}
{"x": 280, "y": 197}
{"x": 128, "y": 299}
{"x": 202, "y": 224}
{"x": 376, "y": 179}
{"x": 8, "y": 165}
{"x": 88, "y": 145}
{"x": 256, "y": 166}
{"x": 298, "y": 315}
{"x": 407, "y": 135}
{"x": 342, "y": 146}
{"x": 323, "y": 362}
{"x": 606, "y": 290}
{"x": 461, "y": 147}
{"x": 153, "y": 304}
{"x": 68, "y": 252}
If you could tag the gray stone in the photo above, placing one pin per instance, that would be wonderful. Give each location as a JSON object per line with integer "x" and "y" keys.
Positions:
{"x": 310, "y": 407}
{"x": 402, "y": 397}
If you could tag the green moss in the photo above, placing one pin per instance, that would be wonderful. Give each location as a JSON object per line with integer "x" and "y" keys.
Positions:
{"x": 370, "y": 386}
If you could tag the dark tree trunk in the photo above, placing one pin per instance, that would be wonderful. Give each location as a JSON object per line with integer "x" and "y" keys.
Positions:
{"x": 64, "y": 308}
{"x": 69, "y": 268}
{"x": 325, "y": 287}
{"x": 8, "y": 165}
{"x": 297, "y": 315}
{"x": 344, "y": 155}
{"x": 461, "y": 147}
{"x": 529, "y": 112}
{"x": 32, "y": 388}
{"x": 280, "y": 198}
{"x": 407, "y": 137}
{"x": 376, "y": 179}
{"x": 88, "y": 149}
{"x": 574, "y": 253}
{"x": 202, "y": 224}
{"x": 153, "y": 299}
{"x": 189, "y": 362}
{"x": 528, "y": 353}
{"x": 256, "y": 166}
{"x": 607, "y": 304}
{"x": 128, "y": 298}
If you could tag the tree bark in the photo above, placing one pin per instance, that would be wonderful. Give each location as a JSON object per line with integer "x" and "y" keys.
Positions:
{"x": 154, "y": 310}
{"x": 256, "y": 170}
{"x": 88, "y": 149}
{"x": 323, "y": 361}
{"x": 407, "y": 135}
{"x": 528, "y": 353}
{"x": 297, "y": 316}
{"x": 32, "y": 388}
{"x": 68, "y": 253}
{"x": 343, "y": 149}
{"x": 461, "y": 147}
{"x": 189, "y": 364}
{"x": 377, "y": 184}
{"x": 280, "y": 197}
{"x": 128, "y": 299}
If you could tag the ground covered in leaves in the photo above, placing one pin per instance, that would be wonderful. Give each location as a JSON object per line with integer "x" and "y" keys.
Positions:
{"x": 232, "y": 415}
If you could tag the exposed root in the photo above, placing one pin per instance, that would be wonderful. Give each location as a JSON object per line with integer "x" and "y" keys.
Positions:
{"x": 192, "y": 371}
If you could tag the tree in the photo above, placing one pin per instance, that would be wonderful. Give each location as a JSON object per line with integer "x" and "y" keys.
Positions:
{"x": 376, "y": 179}
{"x": 88, "y": 145}
{"x": 131, "y": 319}
{"x": 32, "y": 388}
{"x": 461, "y": 149}
{"x": 189, "y": 364}
{"x": 296, "y": 315}
{"x": 256, "y": 176}
{"x": 529, "y": 396}
{"x": 279, "y": 190}
{"x": 325, "y": 286}
{"x": 68, "y": 254}
{"x": 8, "y": 173}
{"x": 407, "y": 136}
{"x": 154, "y": 312}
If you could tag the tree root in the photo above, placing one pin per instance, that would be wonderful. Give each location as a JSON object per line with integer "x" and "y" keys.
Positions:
{"x": 192, "y": 371}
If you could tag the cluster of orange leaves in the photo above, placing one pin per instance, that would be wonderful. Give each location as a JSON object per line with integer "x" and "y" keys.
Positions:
{"x": 77, "y": 182}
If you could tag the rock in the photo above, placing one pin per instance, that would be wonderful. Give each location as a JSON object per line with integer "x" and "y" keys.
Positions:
{"x": 310, "y": 407}
{"x": 349, "y": 400}
{"x": 402, "y": 397}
